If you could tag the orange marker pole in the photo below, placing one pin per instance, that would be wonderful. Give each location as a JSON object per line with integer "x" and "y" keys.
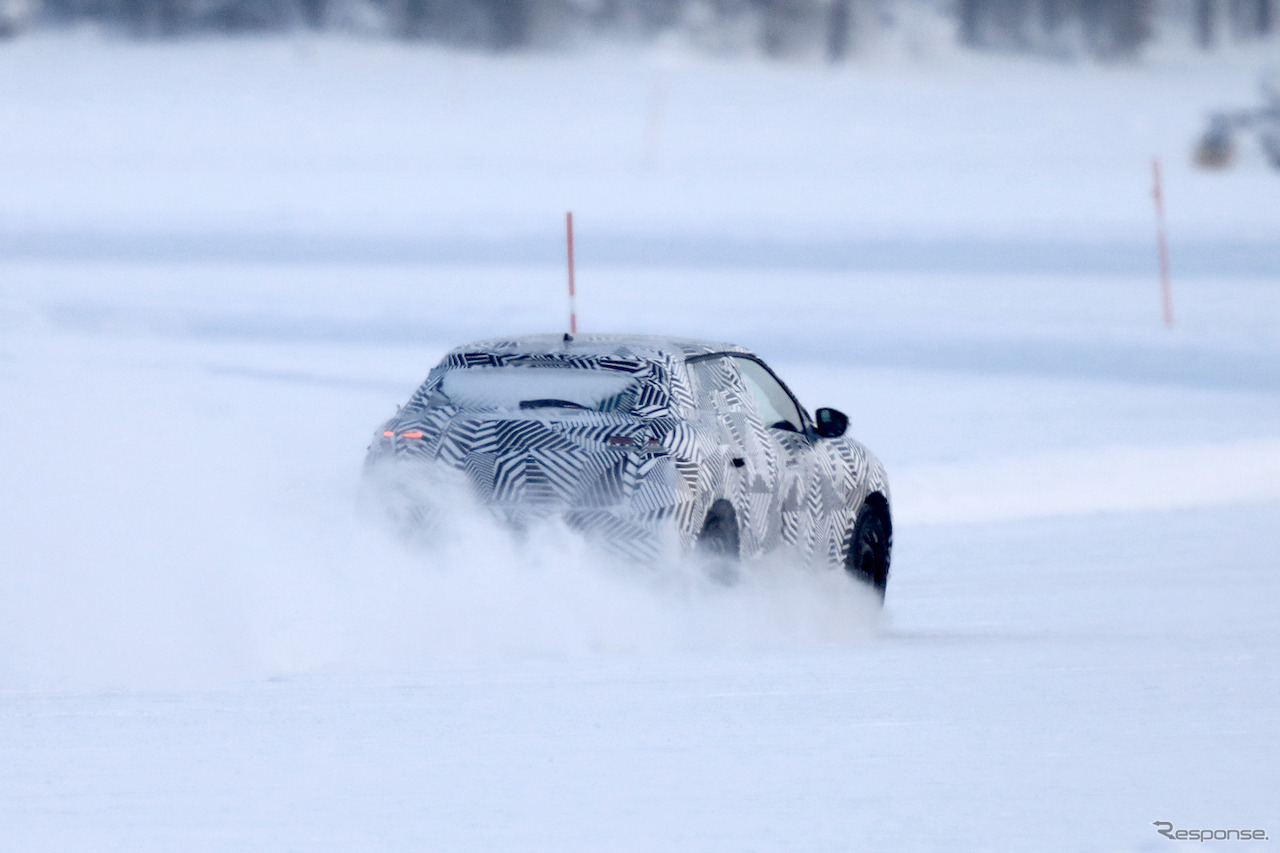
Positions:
{"x": 1162, "y": 243}
{"x": 573, "y": 295}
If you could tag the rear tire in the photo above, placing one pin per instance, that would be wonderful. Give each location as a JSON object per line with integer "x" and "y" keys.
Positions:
{"x": 717, "y": 546}
{"x": 719, "y": 536}
{"x": 868, "y": 556}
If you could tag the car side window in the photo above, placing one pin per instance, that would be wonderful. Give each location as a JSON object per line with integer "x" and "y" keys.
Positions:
{"x": 715, "y": 380}
{"x": 776, "y": 406}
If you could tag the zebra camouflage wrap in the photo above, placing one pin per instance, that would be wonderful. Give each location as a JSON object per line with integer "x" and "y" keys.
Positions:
{"x": 632, "y": 440}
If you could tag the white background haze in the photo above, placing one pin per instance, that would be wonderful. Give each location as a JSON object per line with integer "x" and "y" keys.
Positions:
{"x": 223, "y": 263}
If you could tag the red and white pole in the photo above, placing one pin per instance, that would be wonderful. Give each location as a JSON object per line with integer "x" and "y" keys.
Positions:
{"x": 573, "y": 295}
{"x": 1162, "y": 241}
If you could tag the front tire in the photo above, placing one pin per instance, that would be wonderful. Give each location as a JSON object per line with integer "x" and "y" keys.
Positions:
{"x": 868, "y": 556}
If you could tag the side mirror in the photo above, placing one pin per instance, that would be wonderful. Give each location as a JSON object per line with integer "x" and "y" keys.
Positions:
{"x": 830, "y": 423}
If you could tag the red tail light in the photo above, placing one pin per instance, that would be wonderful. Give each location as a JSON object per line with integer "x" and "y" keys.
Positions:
{"x": 631, "y": 441}
{"x": 413, "y": 433}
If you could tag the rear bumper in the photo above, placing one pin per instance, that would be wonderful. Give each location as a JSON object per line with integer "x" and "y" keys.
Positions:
{"x": 424, "y": 501}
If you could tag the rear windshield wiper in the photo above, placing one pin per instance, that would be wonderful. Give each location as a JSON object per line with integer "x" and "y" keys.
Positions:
{"x": 552, "y": 403}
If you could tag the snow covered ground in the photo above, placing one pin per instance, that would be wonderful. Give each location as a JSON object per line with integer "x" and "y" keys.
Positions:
{"x": 223, "y": 264}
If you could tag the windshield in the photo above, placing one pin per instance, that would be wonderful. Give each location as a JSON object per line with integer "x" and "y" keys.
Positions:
{"x": 523, "y": 387}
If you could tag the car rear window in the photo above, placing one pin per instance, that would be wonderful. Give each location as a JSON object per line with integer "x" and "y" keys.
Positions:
{"x": 516, "y": 387}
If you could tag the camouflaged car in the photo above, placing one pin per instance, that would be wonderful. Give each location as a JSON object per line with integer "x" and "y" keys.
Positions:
{"x": 643, "y": 444}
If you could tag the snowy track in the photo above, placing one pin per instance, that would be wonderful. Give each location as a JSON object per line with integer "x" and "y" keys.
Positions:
{"x": 204, "y": 648}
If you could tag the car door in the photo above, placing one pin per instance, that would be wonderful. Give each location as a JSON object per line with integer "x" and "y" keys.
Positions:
{"x": 823, "y": 480}
{"x": 751, "y": 464}
{"x": 787, "y": 433}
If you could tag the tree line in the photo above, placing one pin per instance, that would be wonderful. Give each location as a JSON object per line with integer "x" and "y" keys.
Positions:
{"x": 1108, "y": 28}
{"x": 832, "y": 29}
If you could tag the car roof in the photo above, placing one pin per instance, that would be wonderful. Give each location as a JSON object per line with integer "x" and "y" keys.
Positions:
{"x": 649, "y": 347}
